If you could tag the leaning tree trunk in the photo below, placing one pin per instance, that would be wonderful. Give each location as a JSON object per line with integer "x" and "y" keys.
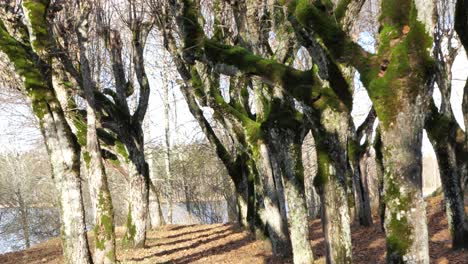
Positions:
{"x": 104, "y": 228}
{"x": 29, "y": 62}
{"x": 66, "y": 172}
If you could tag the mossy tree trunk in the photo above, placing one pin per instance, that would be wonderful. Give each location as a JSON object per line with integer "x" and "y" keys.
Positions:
{"x": 330, "y": 137}
{"x": 276, "y": 224}
{"x": 31, "y": 60}
{"x": 288, "y": 146}
{"x": 445, "y": 146}
{"x": 446, "y": 135}
{"x": 401, "y": 95}
{"x": 397, "y": 79}
{"x": 129, "y": 143}
{"x": 104, "y": 228}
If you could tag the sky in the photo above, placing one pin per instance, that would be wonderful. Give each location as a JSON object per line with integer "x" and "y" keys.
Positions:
{"x": 14, "y": 136}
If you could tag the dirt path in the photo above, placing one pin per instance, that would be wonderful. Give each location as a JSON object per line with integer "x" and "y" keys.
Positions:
{"x": 225, "y": 243}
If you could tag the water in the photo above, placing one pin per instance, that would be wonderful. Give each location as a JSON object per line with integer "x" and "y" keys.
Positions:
{"x": 45, "y": 223}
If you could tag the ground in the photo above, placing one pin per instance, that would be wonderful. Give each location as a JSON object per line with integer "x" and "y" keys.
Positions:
{"x": 226, "y": 243}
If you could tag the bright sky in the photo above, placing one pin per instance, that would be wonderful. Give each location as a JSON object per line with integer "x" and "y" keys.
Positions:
{"x": 15, "y": 136}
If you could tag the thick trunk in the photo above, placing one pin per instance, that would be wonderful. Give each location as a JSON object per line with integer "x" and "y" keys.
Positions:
{"x": 64, "y": 153}
{"x": 330, "y": 140}
{"x": 245, "y": 192}
{"x": 104, "y": 228}
{"x": 135, "y": 233}
{"x": 405, "y": 209}
{"x": 277, "y": 227}
{"x": 453, "y": 196}
{"x": 64, "y": 156}
{"x": 289, "y": 151}
{"x": 66, "y": 172}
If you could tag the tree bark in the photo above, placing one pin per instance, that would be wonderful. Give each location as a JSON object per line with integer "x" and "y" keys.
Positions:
{"x": 104, "y": 228}
{"x": 135, "y": 225}
{"x": 330, "y": 138}
{"x": 29, "y": 61}
{"x": 309, "y": 160}
{"x": 361, "y": 195}
{"x": 277, "y": 227}
{"x": 289, "y": 150}
{"x": 442, "y": 130}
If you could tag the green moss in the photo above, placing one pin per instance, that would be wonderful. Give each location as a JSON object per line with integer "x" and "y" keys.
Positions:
{"x": 36, "y": 11}
{"x": 404, "y": 49}
{"x": 192, "y": 29}
{"x": 298, "y": 83}
{"x": 129, "y": 237}
{"x": 398, "y": 229}
{"x": 121, "y": 150}
{"x": 341, "y": 8}
{"x": 87, "y": 158}
{"x": 323, "y": 167}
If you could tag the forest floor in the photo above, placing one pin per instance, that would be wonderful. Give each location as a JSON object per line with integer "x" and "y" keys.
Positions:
{"x": 226, "y": 243}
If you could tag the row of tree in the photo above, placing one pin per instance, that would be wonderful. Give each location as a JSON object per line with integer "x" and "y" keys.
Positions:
{"x": 82, "y": 66}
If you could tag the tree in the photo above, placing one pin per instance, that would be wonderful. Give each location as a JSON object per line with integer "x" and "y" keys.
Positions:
{"x": 27, "y": 46}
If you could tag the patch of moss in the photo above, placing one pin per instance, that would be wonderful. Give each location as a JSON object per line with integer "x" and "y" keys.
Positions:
{"x": 36, "y": 11}
{"x": 121, "y": 150}
{"x": 129, "y": 237}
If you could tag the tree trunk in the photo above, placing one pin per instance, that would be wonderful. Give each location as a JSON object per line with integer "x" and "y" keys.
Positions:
{"x": 135, "y": 226}
{"x": 405, "y": 210}
{"x": 104, "y": 229}
{"x": 361, "y": 196}
{"x": 277, "y": 227}
{"x": 330, "y": 138}
{"x": 167, "y": 149}
{"x": 309, "y": 160}
{"x": 24, "y": 216}
{"x": 66, "y": 172}
{"x": 61, "y": 144}
{"x": 445, "y": 146}
{"x": 289, "y": 150}
{"x": 155, "y": 210}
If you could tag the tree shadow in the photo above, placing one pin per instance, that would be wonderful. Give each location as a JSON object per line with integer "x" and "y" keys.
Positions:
{"x": 219, "y": 250}
{"x": 193, "y": 245}
{"x": 189, "y": 232}
{"x": 190, "y": 238}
